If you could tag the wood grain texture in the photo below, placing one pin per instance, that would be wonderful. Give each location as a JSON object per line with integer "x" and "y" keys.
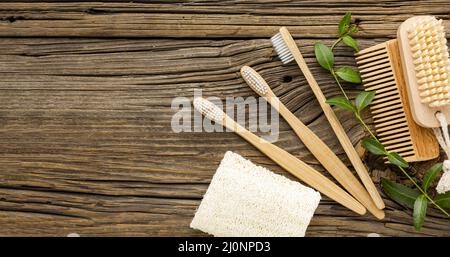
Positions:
{"x": 224, "y": 19}
{"x": 85, "y": 109}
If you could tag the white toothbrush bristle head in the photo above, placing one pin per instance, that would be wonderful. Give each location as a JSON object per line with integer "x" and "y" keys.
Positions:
{"x": 281, "y": 48}
{"x": 429, "y": 50}
{"x": 208, "y": 109}
{"x": 254, "y": 80}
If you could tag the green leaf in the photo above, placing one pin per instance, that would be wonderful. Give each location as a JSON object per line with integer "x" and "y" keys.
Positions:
{"x": 341, "y": 102}
{"x": 364, "y": 99}
{"x": 373, "y": 146}
{"x": 443, "y": 200}
{"x": 420, "y": 211}
{"x": 396, "y": 159}
{"x": 345, "y": 23}
{"x": 353, "y": 29}
{"x": 348, "y": 74}
{"x": 348, "y": 40}
{"x": 324, "y": 56}
{"x": 401, "y": 194}
{"x": 431, "y": 175}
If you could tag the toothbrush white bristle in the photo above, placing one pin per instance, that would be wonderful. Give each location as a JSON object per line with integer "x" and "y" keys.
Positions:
{"x": 208, "y": 109}
{"x": 281, "y": 48}
{"x": 429, "y": 49}
{"x": 254, "y": 80}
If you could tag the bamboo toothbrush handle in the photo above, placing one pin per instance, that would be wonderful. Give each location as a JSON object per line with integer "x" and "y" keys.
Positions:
{"x": 301, "y": 170}
{"x": 330, "y": 161}
{"x": 333, "y": 120}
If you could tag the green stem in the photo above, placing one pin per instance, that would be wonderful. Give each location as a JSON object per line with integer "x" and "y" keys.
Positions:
{"x": 339, "y": 84}
{"x": 422, "y": 191}
{"x": 336, "y": 42}
{"x": 366, "y": 127}
{"x": 356, "y": 114}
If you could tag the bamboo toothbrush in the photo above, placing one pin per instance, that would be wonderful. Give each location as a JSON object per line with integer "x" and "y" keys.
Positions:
{"x": 317, "y": 147}
{"x": 381, "y": 71}
{"x": 287, "y": 50}
{"x": 287, "y": 161}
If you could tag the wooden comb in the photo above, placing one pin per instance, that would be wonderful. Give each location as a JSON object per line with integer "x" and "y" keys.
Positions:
{"x": 381, "y": 71}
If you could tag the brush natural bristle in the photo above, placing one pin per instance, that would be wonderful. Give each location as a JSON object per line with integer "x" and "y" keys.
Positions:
{"x": 281, "y": 48}
{"x": 254, "y": 80}
{"x": 431, "y": 61}
{"x": 208, "y": 109}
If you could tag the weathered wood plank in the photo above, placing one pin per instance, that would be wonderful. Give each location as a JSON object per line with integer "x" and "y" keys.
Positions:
{"x": 86, "y": 144}
{"x": 219, "y": 19}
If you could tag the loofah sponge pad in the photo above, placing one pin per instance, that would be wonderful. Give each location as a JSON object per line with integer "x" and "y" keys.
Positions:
{"x": 444, "y": 183}
{"x": 248, "y": 200}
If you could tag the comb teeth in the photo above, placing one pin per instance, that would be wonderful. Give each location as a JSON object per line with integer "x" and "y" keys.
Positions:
{"x": 281, "y": 48}
{"x": 428, "y": 47}
{"x": 391, "y": 116}
{"x": 254, "y": 80}
{"x": 208, "y": 109}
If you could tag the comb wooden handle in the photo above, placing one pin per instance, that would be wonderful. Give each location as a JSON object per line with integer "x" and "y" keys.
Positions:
{"x": 333, "y": 120}
{"x": 299, "y": 169}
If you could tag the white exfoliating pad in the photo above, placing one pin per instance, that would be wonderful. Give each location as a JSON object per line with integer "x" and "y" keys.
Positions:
{"x": 444, "y": 183}
{"x": 248, "y": 200}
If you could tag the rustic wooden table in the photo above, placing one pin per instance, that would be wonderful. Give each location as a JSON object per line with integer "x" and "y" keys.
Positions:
{"x": 86, "y": 144}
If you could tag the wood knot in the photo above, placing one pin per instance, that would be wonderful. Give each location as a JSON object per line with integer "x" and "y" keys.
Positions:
{"x": 12, "y": 19}
{"x": 287, "y": 79}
